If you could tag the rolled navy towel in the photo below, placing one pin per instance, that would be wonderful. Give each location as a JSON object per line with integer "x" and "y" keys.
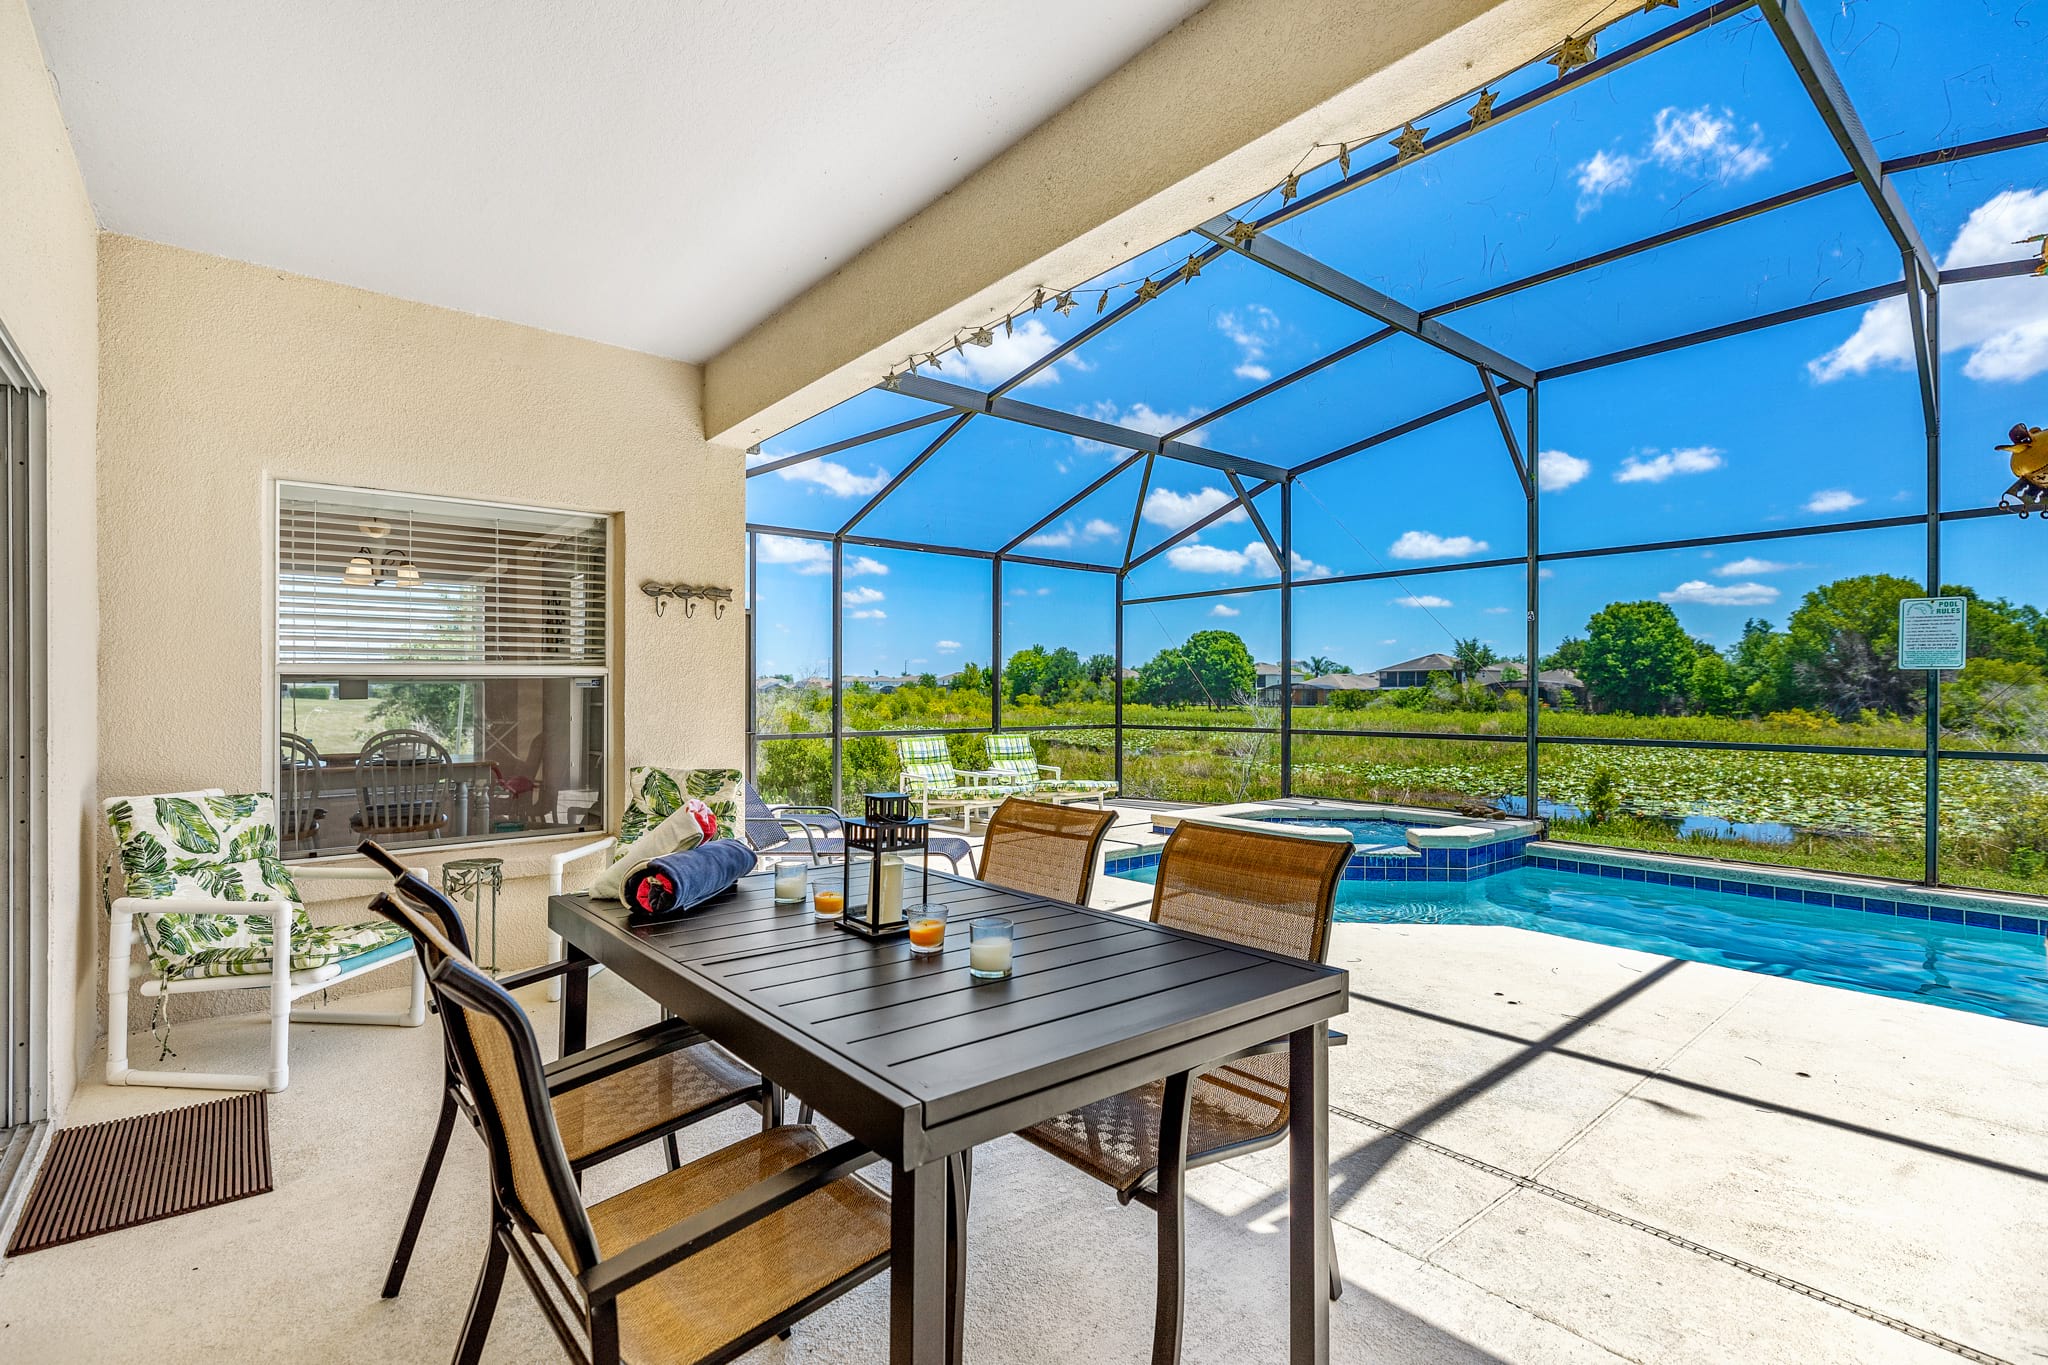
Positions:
{"x": 675, "y": 883}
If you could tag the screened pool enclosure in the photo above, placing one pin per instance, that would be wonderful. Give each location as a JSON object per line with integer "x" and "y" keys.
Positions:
{"x": 1569, "y": 447}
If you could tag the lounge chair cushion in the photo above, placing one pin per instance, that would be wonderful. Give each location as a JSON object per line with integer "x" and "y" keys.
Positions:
{"x": 1016, "y": 761}
{"x": 653, "y": 794}
{"x": 927, "y": 765}
{"x": 209, "y": 845}
{"x": 346, "y": 946}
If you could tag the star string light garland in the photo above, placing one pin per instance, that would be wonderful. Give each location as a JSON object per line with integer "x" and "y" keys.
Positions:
{"x": 1575, "y": 51}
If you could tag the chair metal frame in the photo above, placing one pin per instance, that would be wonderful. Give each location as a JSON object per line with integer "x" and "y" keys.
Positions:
{"x": 563, "y": 1075}
{"x": 589, "y": 1306}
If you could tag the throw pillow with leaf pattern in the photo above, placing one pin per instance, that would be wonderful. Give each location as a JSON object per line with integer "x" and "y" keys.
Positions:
{"x": 653, "y": 794}
{"x": 206, "y": 844}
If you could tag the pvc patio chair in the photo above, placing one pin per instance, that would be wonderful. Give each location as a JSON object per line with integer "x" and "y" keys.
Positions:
{"x": 775, "y": 829}
{"x": 607, "y": 1100}
{"x": 698, "y": 1264}
{"x": 218, "y": 910}
{"x": 1275, "y": 892}
{"x": 929, "y": 777}
{"x": 1044, "y": 849}
{"x": 1013, "y": 761}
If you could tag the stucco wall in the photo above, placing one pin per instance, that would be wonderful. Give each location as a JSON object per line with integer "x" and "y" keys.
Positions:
{"x": 219, "y": 378}
{"x": 47, "y": 303}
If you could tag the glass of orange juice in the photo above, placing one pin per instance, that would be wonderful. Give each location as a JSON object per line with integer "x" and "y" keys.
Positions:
{"x": 828, "y": 904}
{"x": 927, "y": 929}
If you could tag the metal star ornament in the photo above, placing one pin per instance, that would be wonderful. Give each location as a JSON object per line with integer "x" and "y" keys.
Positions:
{"x": 1481, "y": 113}
{"x": 1190, "y": 270}
{"x": 1241, "y": 234}
{"x": 892, "y": 381}
{"x": 1290, "y": 187}
{"x": 1575, "y": 52}
{"x": 1343, "y": 158}
{"x": 982, "y": 336}
{"x": 1409, "y": 144}
{"x": 1064, "y": 304}
{"x": 2042, "y": 239}
{"x": 1649, "y": 5}
{"x": 1147, "y": 291}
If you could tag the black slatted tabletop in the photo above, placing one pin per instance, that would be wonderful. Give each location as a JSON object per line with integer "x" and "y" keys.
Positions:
{"x": 917, "y": 1059}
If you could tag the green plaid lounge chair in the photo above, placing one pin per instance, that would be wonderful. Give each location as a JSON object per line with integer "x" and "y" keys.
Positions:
{"x": 929, "y": 778}
{"x": 219, "y": 910}
{"x": 1012, "y": 759}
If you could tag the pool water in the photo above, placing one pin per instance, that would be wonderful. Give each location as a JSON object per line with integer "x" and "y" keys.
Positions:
{"x": 1365, "y": 833}
{"x": 1985, "y": 971}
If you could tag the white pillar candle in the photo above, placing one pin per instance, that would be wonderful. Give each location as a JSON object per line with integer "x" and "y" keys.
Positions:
{"x": 888, "y": 898}
{"x": 989, "y": 955}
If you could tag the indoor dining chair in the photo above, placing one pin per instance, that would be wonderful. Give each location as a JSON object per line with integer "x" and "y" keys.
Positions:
{"x": 1274, "y": 892}
{"x": 700, "y": 1263}
{"x": 1043, "y": 849}
{"x": 606, "y": 1100}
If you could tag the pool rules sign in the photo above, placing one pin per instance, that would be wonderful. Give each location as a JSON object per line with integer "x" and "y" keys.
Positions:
{"x": 1932, "y": 631}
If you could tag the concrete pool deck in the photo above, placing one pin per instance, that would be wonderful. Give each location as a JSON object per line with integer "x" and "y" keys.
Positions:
{"x": 1541, "y": 1150}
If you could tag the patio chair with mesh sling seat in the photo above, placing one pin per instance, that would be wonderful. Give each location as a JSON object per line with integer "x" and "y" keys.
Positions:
{"x": 606, "y": 1100}
{"x": 700, "y": 1263}
{"x": 1275, "y": 892}
{"x": 776, "y": 829}
{"x": 1044, "y": 849}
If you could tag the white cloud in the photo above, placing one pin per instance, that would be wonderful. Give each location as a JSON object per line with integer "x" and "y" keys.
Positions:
{"x": 1701, "y": 141}
{"x": 1421, "y": 600}
{"x": 1176, "y": 511}
{"x": 1003, "y": 357}
{"x": 1557, "y": 471}
{"x": 860, "y": 597}
{"x": 1739, "y": 568}
{"x": 947, "y": 646}
{"x": 1600, "y": 175}
{"x": 1221, "y": 610}
{"x": 1138, "y": 417}
{"x": 1096, "y": 528}
{"x": 1043, "y": 592}
{"x": 1833, "y": 500}
{"x": 1699, "y": 592}
{"x": 1498, "y": 611}
{"x": 858, "y": 566}
{"x": 1192, "y": 556}
{"x": 1429, "y": 545}
{"x": 1252, "y": 331}
{"x": 2002, "y": 323}
{"x": 1061, "y": 536}
{"x": 805, "y": 556}
{"x": 1654, "y": 467}
{"x": 835, "y": 478}
{"x": 872, "y": 614}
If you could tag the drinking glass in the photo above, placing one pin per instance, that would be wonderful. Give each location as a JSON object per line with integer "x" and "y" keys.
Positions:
{"x": 989, "y": 944}
{"x": 927, "y": 929}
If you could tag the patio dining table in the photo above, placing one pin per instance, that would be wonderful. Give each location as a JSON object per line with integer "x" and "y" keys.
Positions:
{"x": 920, "y": 1062}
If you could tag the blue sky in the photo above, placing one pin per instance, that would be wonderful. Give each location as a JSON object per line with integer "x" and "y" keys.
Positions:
{"x": 1816, "y": 422}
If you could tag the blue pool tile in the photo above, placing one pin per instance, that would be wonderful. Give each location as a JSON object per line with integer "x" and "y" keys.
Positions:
{"x": 1757, "y": 889}
{"x": 1610, "y": 870}
{"x": 1817, "y": 897}
{"x": 1632, "y": 874}
{"x": 2021, "y": 924}
{"x": 1655, "y": 878}
{"x": 1787, "y": 893}
{"x": 1942, "y": 914}
{"x": 1980, "y": 919}
{"x": 1684, "y": 879}
{"x": 1874, "y": 906}
{"x": 1848, "y": 902}
{"x": 1909, "y": 911}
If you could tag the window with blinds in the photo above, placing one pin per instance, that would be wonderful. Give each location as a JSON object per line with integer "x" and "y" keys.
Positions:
{"x": 378, "y": 583}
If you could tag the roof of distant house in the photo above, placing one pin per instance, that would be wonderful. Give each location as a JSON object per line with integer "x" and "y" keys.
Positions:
{"x": 1426, "y": 663}
{"x": 1345, "y": 682}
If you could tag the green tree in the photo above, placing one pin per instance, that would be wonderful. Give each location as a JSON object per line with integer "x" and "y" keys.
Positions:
{"x": 971, "y": 678}
{"x": 1048, "y": 675}
{"x": 445, "y": 710}
{"x": 1212, "y": 669}
{"x": 1473, "y": 656}
{"x": 1570, "y": 653}
{"x": 1099, "y": 668}
{"x": 1712, "y": 687}
{"x": 1841, "y": 648}
{"x": 1637, "y": 658}
{"x": 1321, "y": 665}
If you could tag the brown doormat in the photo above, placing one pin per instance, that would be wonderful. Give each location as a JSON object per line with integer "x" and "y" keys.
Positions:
{"x": 106, "y": 1176}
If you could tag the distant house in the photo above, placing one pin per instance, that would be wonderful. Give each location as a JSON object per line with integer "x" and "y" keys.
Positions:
{"x": 1551, "y": 683}
{"x": 1415, "y": 672}
{"x": 1319, "y": 691}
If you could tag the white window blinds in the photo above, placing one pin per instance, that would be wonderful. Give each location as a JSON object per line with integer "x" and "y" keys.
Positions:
{"x": 370, "y": 581}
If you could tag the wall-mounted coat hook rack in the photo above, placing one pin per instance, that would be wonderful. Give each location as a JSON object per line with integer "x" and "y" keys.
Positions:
{"x": 689, "y": 594}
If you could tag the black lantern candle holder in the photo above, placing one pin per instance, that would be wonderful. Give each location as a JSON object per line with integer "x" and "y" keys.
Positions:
{"x": 871, "y": 842}
{"x": 887, "y": 808}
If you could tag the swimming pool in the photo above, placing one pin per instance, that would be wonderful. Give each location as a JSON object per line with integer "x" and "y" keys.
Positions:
{"x": 1365, "y": 832}
{"x": 1985, "y": 971}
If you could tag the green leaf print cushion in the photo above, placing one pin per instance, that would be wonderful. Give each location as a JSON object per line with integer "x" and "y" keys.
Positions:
{"x": 211, "y": 846}
{"x": 653, "y": 794}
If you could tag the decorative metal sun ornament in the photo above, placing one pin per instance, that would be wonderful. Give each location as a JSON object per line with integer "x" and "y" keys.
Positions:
{"x": 1409, "y": 144}
{"x": 1574, "y": 52}
{"x": 2029, "y": 452}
